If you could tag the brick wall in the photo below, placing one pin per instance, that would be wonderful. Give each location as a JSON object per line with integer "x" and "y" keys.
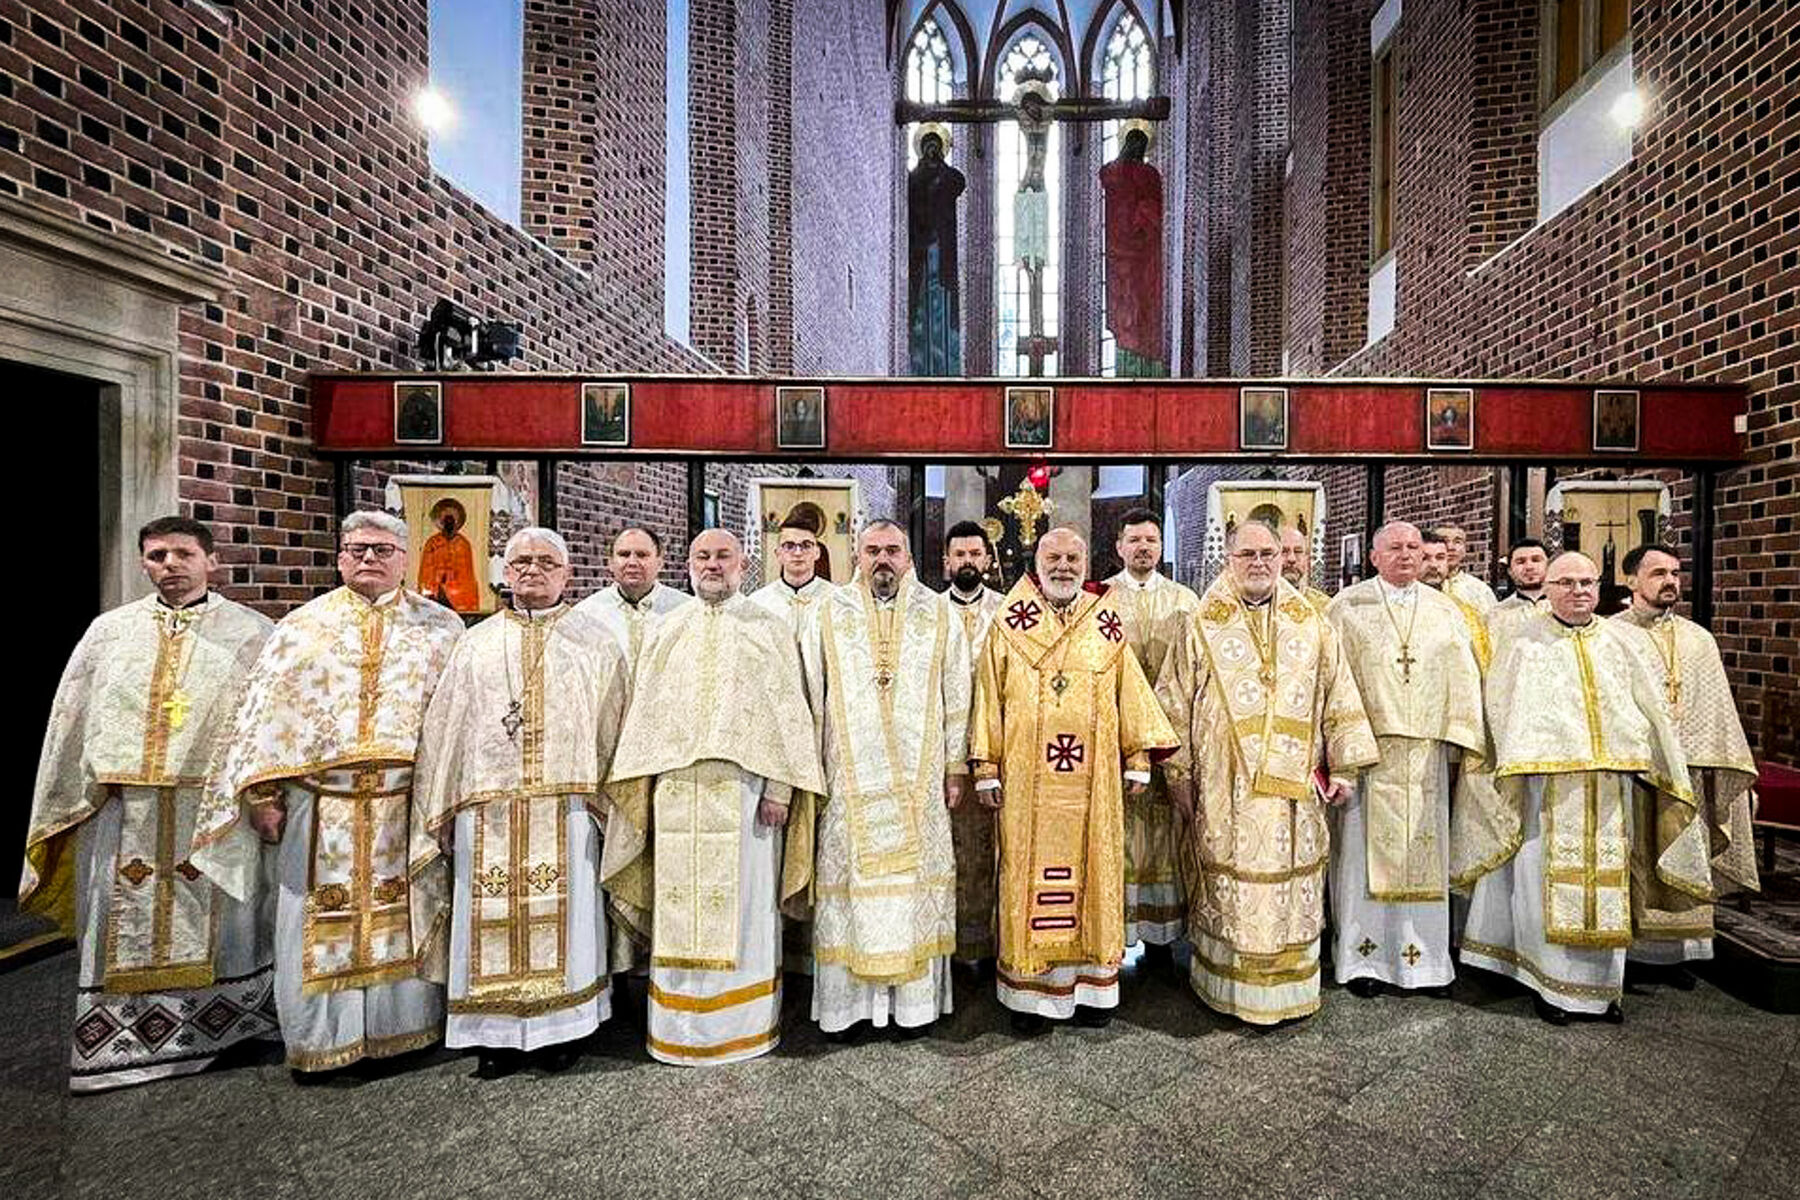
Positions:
{"x": 1681, "y": 265}
{"x": 272, "y": 141}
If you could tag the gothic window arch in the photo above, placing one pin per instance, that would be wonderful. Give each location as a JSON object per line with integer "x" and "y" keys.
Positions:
{"x": 929, "y": 76}
{"x": 1028, "y": 176}
{"x": 1127, "y": 71}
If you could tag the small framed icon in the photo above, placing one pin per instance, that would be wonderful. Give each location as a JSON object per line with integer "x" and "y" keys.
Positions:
{"x": 1262, "y": 418}
{"x": 1030, "y": 418}
{"x": 418, "y": 413}
{"x": 800, "y": 418}
{"x": 1616, "y": 415}
{"x": 1449, "y": 418}
{"x": 606, "y": 414}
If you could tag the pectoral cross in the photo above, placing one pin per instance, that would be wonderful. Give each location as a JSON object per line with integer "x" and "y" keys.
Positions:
{"x": 177, "y": 706}
{"x": 1405, "y": 663}
{"x": 513, "y": 721}
{"x": 1027, "y": 508}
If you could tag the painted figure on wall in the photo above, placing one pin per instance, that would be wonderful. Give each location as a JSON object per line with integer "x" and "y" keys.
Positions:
{"x": 447, "y": 562}
{"x": 1134, "y": 245}
{"x": 934, "y": 313}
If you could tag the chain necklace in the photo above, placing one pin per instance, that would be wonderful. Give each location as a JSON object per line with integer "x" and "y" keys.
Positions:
{"x": 1264, "y": 639}
{"x": 175, "y": 623}
{"x": 514, "y": 720}
{"x": 1406, "y": 660}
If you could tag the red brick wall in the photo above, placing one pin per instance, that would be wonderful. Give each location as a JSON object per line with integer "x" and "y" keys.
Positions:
{"x": 1682, "y": 265}
{"x": 272, "y": 141}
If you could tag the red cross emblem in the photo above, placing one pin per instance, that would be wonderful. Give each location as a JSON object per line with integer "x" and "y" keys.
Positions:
{"x": 1111, "y": 628}
{"x": 1063, "y": 753}
{"x": 1023, "y": 614}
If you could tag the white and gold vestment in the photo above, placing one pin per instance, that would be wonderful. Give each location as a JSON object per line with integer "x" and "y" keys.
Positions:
{"x": 328, "y": 725}
{"x": 1577, "y": 722}
{"x": 1461, "y": 585}
{"x": 1419, "y": 674}
{"x": 171, "y": 970}
{"x": 1261, "y": 699}
{"x": 718, "y": 722}
{"x": 1156, "y": 611}
{"x": 634, "y": 617}
{"x": 1062, "y": 714}
{"x": 517, "y": 743}
{"x": 1669, "y": 926}
{"x": 889, "y": 683}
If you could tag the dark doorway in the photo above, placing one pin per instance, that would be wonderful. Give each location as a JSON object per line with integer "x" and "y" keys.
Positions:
{"x": 60, "y": 470}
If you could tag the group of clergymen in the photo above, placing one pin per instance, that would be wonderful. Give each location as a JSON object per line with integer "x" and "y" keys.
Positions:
{"x": 365, "y": 828}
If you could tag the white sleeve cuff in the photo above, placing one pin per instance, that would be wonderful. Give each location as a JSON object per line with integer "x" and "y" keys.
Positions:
{"x": 987, "y": 785}
{"x": 1137, "y": 777}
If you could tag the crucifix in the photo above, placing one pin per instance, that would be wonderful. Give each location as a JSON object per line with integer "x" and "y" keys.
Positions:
{"x": 1405, "y": 663}
{"x": 1033, "y": 109}
{"x": 1027, "y": 508}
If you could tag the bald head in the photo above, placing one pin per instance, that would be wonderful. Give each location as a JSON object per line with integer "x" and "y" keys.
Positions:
{"x": 1396, "y": 553}
{"x": 1061, "y": 565}
{"x": 1294, "y": 567}
{"x": 1572, "y": 582}
{"x": 715, "y": 565}
{"x": 882, "y": 555}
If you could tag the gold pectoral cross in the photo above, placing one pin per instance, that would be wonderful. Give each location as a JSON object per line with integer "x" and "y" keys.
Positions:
{"x": 177, "y": 707}
{"x": 1405, "y": 663}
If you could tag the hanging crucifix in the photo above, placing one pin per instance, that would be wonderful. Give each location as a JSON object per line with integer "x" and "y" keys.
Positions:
{"x": 1034, "y": 110}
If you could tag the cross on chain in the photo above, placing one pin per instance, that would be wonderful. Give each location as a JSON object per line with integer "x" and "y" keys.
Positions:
{"x": 1405, "y": 663}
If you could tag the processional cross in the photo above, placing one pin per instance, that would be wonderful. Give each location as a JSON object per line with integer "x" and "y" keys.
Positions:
{"x": 1034, "y": 110}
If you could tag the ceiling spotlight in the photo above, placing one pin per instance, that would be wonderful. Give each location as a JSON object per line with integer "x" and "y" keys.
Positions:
{"x": 432, "y": 109}
{"x": 1628, "y": 109}
{"x": 452, "y": 337}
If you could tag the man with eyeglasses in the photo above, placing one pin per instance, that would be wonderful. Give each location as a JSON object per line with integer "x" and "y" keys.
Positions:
{"x": 887, "y": 674}
{"x": 800, "y": 586}
{"x": 968, "y": 556}
{"x": 1063, "y": 724}
{"x": 717, "y": 754}
{"x": 1156, "y": 610}
{"x": 1272, "y": 732}
{"x": 1578, "y": 722}
{"x": 636, "y": 597}
{"x": 320, "y": 760}
{"x": 149, "y": 688}
{"x": 1669, "y": 928}
{"x": 506, "y": 819}
{"x": 1419, "y": 674}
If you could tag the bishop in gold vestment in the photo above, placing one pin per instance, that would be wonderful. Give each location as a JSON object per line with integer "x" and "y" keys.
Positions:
{"x": 1577, "y": 722}
{"x": 320, "y": 758}
{"x": 1420, "y": 679}
{"x": 505, "y": 855}
{"x": 170, "y": 970}
{"x": 717, "y": 752}
{"x": 1156, "y": 611}
{"x": 1668, "y": 926}
{"x": 1263, "y": 703}
{"x": 887, "y": 672}
{"x": 1063, "y": 719}
{"x": 967, "y": 559}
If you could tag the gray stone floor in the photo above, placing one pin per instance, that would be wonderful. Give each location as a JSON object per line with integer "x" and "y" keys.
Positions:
{"x": 1695, "y": 1095}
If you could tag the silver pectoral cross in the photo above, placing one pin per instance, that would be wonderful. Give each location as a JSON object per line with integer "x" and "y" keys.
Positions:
{"x": 513, "y": 721}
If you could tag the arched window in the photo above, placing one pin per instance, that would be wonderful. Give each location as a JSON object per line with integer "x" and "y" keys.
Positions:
{"x": 930, "y": 74}
{"x": 1127, "y": 72}
{"x": 1028, "y": 179}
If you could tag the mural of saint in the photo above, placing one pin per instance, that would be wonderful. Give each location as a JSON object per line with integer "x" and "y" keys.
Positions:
{"x": 447, "y": 561}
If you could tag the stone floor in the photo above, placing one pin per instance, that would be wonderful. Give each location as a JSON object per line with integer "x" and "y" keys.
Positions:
{"x": 1696, "y": 1094}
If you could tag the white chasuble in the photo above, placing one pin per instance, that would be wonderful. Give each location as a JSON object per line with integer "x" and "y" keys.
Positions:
{"x": 1464, "y": 587}
{"x": 1061, "y": 711}
{"x": 889, "y": 685}
{"x": 128, "y": 747}
{"x": 718, "y": 720}
{"x": 1576, "y": 718}
{"x": 516, "y": 743}
{"x": 1669, "y": 926}
{"x": 1261, "y": 698}
{"x": 329, "y": 724}
{"x": 792, "y": 603}
{"x": 1156, "y": 613}
{"x": 972, "y": 825}
{"x": 634, "y": 618}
